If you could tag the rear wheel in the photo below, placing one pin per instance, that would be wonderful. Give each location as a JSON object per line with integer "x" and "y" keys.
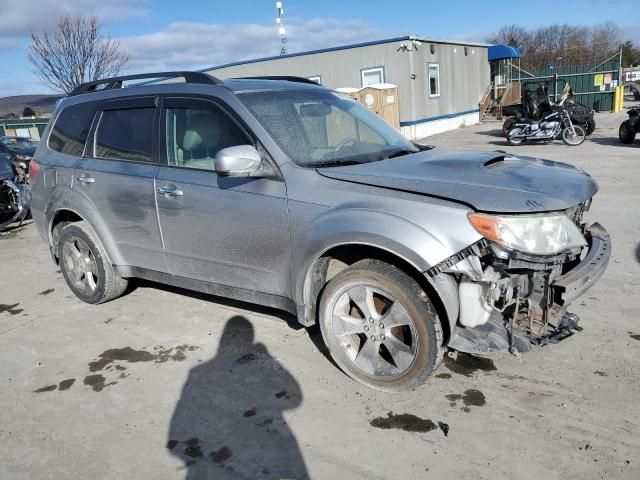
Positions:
{"x": 508, "y": 125}
{"x": 85, "y": 266}
{"x": 626, "y": 134}
{"x": 515, "y": 136}
{"x": 575, "y": 137}
{"x": 380, "y": 327}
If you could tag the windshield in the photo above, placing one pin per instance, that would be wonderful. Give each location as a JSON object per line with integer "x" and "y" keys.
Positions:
{"x": 17, "y": 143}
{"x": 319, "y": 128}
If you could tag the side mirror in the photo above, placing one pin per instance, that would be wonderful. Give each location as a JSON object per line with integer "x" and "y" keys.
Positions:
{"x": 239, "y": 161}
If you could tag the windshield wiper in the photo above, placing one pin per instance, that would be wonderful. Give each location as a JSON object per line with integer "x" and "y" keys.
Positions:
{"x": 399, "y": 153}
{"x": 334, "y": 163}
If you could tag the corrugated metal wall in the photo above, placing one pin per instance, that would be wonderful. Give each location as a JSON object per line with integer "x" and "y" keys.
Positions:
{"x": 585, "y": 82}
{"x": 463, "y": 78}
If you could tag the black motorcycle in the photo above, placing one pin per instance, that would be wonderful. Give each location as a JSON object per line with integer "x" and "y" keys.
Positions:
{"x": 536, "y": 104}
{"x": 631, "y": 126}
{"x": 557, "y": 123}
{"x": 15, "y": 190}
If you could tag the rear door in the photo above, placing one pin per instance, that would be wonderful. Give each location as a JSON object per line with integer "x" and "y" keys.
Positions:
{"x": 228, "y": 231}
{"x": 115, "y": 180}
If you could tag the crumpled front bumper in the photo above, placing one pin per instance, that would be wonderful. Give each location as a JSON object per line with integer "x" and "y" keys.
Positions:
{"x": 496, "y": 335}
{"x": 573, "y": 284}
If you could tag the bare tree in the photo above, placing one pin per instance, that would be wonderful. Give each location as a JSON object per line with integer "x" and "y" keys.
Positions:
{"x": 512, "y": 35}
{"x": 74, "y": 53}
{"x": 562, "y": 44}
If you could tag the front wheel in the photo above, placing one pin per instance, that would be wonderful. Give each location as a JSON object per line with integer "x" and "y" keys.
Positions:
{"x": 515, "y": 136}
{"x": 626, "y": 134}
{"x": 575, "y": 137}
{"x": 380, "y": 327}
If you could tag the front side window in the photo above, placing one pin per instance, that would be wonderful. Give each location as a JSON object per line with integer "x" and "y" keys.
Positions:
{"x": 319, "y": 127}
{"x": 126, "y": 134}
{"x": 434, "y": 80}
{"x": 372, "y": 76}
{"x": 69, "y": 134}
{"x": 196, "y": 135}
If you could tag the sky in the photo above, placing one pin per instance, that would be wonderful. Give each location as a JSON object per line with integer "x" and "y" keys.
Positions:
{"x": 189, "y": 34}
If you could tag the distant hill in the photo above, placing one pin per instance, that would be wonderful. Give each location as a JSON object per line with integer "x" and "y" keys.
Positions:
{"x": 41, "y": 104}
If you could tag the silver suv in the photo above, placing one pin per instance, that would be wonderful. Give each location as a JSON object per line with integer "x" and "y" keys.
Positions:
{"x": 280, "y": 192}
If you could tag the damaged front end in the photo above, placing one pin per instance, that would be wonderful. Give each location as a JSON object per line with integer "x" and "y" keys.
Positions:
{"x": 511, "y": 301}
{"x": 15, "y": 196}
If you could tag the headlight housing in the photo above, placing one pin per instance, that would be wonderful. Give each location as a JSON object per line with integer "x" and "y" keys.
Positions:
{"x": 539, "y": 234}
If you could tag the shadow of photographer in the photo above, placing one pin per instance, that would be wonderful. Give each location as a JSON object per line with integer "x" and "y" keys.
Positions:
{"x": 228, "y": 422}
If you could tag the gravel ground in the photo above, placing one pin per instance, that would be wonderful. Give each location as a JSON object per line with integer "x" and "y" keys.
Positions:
{"x": 170, "y": 384}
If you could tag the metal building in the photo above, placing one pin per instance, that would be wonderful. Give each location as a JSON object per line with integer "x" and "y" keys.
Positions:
{"x": 440, "y": 82}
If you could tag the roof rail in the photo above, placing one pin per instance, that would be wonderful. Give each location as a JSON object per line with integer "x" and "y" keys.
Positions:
{"x": 286, "y": 78}
{"x": 116, "y": 82}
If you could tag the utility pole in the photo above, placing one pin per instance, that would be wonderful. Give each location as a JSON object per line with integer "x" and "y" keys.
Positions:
{"x": 281, "y": 29}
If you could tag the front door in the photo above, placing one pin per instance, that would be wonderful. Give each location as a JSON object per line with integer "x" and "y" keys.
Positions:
{"x": 228, "y": 231}
{"x": 114, "y": 183}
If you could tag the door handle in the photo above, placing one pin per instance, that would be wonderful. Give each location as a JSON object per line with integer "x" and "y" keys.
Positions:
{"x": 171, "y": 191}
{"x": 84, "y": 178}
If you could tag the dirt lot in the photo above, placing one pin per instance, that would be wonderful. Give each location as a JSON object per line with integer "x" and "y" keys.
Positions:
{"x": 170, "y": 385}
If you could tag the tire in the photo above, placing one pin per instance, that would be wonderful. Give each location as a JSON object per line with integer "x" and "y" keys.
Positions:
{"x": 85, "y": 265}
{"x": 576, "y": 140}
{"x": 391, "y": 357}
{"x": 508, "y": 125}
{"x": 512, "y": 133}
{"x": 589, "y": 127}
{"x": 626, "y": 134}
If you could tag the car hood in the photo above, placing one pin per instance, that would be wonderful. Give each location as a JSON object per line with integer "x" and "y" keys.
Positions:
{"x": 486, "y": 181}
{"x": 26, "y": 151}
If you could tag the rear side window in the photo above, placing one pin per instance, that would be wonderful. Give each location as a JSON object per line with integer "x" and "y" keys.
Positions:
{"x": 69, "y": 134}
{"x": 126, "y": 134}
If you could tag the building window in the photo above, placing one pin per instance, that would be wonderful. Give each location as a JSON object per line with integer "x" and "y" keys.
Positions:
{"x": 466, "y": 51}
{"x": 316, "y": 78}
{"x": 434, "y": 79}
{"x": 371, "y": 76}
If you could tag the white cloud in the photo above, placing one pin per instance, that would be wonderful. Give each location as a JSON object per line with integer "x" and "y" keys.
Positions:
{"x": 18, "y": 19}
{"x": 188, "y": 45}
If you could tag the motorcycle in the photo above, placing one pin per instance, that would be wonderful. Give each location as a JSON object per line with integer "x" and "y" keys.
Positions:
{"x": 15, "y": 190}
{"x": 557, "y": 123}
{"x": 535, "y": 104}
{"x": 631, "y": 126}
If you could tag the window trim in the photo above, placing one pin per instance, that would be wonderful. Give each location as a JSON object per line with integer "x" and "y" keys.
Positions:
{"x": 437, "y": 65}
{"x": 364, "y": 71}
{"x": 90, "y": 150}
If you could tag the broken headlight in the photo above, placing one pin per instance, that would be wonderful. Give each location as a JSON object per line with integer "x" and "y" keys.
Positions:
{"x": 539, "y": 234}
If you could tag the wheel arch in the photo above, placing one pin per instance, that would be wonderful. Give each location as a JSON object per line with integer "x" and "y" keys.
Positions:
{"x": 66, "y": 215}
{"x": 441, "y": 291}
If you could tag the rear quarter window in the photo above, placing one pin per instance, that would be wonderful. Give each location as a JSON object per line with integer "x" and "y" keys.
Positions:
{"x": 69, "y": 134}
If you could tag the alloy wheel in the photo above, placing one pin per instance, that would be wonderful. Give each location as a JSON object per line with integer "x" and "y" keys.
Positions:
{"x": 80, "y": 264}
{"x": 374, "y": 331}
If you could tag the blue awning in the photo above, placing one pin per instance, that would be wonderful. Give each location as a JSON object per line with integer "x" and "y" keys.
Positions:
{"x": 500, "y": 52}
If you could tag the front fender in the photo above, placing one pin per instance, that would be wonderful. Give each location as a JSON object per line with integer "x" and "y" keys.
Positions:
{"x": 361, "y": 226}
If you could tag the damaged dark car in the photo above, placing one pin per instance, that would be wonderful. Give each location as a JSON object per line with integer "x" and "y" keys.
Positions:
{"x": 281, "y": 192}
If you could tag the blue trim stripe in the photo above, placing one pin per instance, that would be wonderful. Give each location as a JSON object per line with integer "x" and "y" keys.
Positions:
{"x": 310, "y": 52}
{"x": 439, "y": 117}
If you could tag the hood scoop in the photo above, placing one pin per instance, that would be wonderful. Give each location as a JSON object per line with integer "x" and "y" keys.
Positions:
{"x": 500, "y": 159}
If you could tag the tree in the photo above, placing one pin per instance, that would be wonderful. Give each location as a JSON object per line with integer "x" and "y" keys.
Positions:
{"x": 630, "y": 54}
{"x": 512, "y": 35}
{"x": 28, "y": 112}
{"x": 74, "y": 53}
